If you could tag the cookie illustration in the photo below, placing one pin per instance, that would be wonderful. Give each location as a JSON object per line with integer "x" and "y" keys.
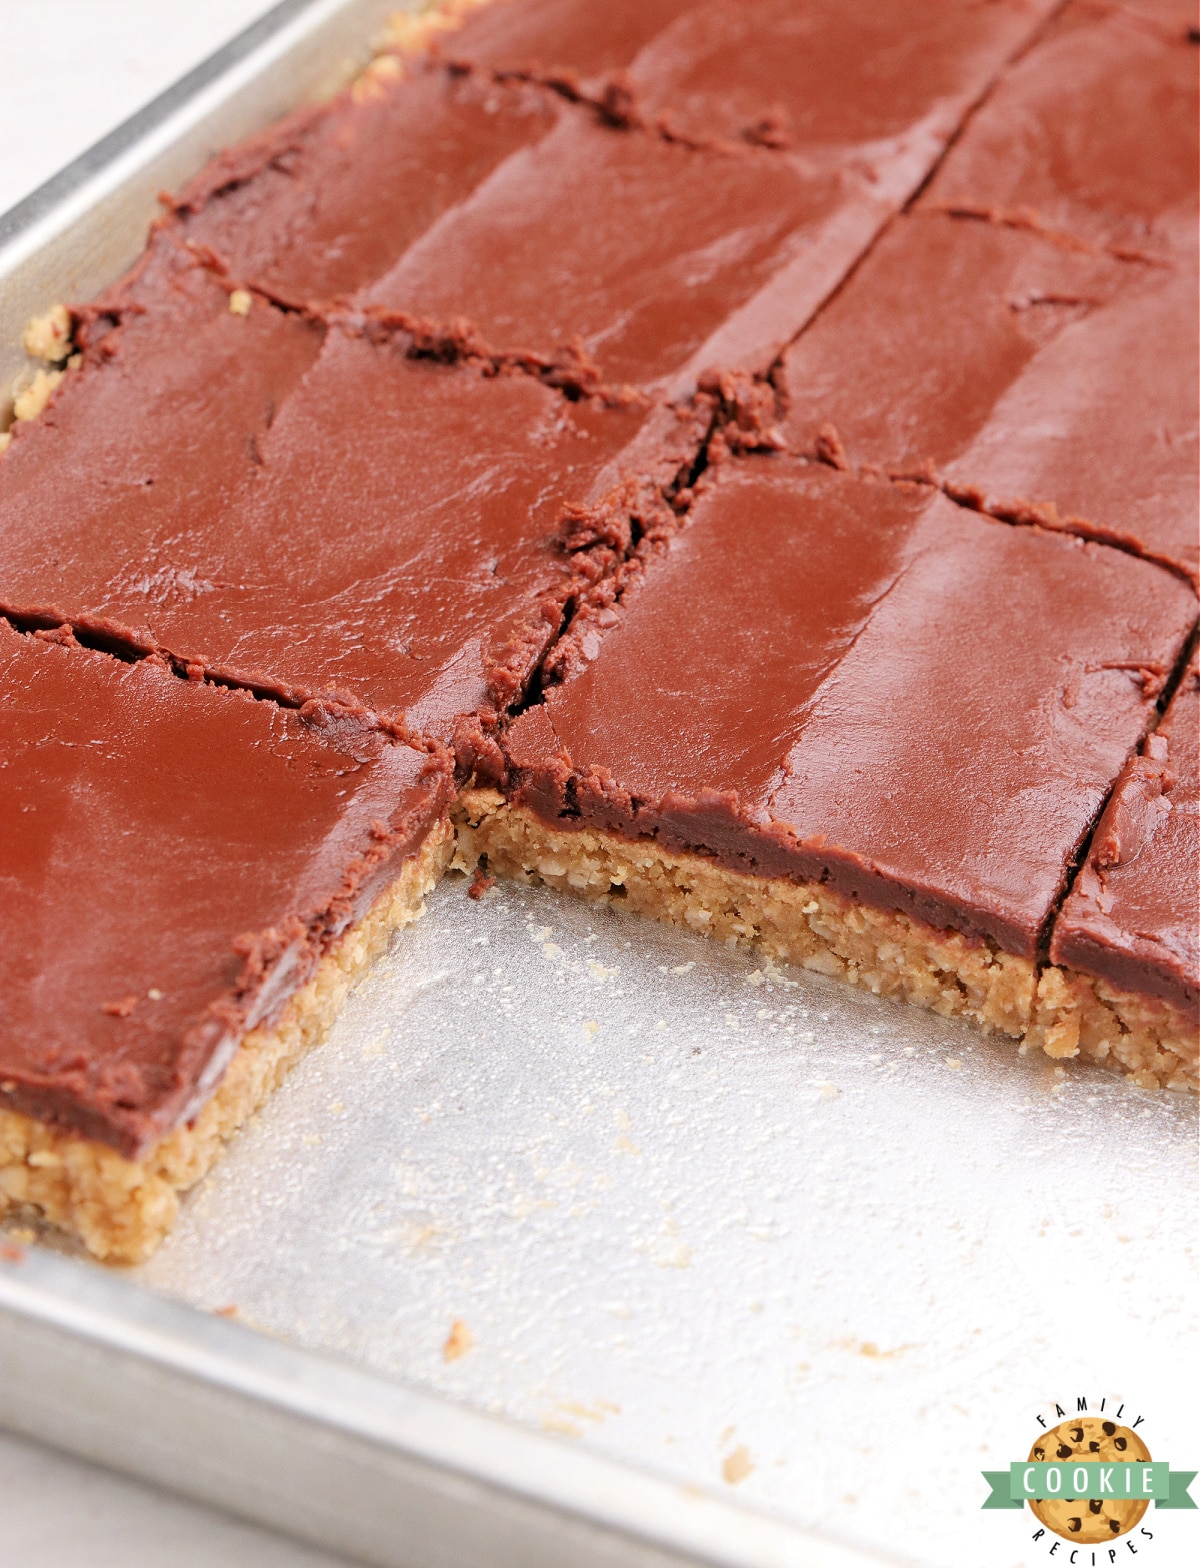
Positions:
{"x": 1091, "y": 1439}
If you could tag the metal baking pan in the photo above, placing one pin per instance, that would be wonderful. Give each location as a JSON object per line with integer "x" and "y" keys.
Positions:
{"x": 748, "y": 1268}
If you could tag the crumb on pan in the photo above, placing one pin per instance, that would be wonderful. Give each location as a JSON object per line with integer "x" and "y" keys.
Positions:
{"x": 458, "y": 1341}
{"x": 410, "y": 32}
{"x": 373, "y": 79}
{"x": 32, "y": 399}
{"x": 737, "y": 1466}
{"x": 406, "y": 34}
{"x": 480, "y": 884}
{"x": 48, "y": 337}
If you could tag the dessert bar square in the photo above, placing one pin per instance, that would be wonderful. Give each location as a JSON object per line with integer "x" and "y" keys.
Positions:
{"x": 850, "y": 721}
{"x": 1034, "y": 382}
{"x": 156, "y": 429}
{"x": 737, "y": 169}
{"x": 192, "y": 881}
{"x": 1039, "y": 344}
{"x": 328, "y": 199}
{"x": 634, "y": 247}
{"x": 395, "y": 535}
{"x": 1090, "y": 137}
{"x": 1126, "y": 946}
{"x": 770, "y": 72}
{"x": 825, "y": 78}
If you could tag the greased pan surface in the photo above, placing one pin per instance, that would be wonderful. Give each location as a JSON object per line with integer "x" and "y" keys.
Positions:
{"x": 736, "y": 1224}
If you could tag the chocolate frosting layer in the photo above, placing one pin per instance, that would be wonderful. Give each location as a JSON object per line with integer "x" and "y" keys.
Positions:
{"x": 750, "y": 154}
{"x": 1132, "y": 917}
{"x": 394, "y": 535}
{"x": 767, "y": 71}
{"x": 1036, "y": 382}
{"x": 155, "y": 433}
{"x": 1091, "y": 134}
{"x": 634, "y": 247}
{"x": 174, "y": 859}
{"x": 569, "y": 41}
{"x": 327, "y": 200}
{"x": 1099, "y": 433}
{"x": 830, "y": 678}
{"x": 824, "y": 77}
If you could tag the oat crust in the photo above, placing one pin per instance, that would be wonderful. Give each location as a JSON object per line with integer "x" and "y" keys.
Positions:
{"x": 1062, "y": 1012}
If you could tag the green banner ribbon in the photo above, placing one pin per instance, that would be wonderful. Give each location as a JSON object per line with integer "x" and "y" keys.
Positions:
{"x": 998, "y": 1497}
{"x": 1119, "y": 1482}
{"x": 1025, "y": 1481}
{"x": 1179, "y": 1496}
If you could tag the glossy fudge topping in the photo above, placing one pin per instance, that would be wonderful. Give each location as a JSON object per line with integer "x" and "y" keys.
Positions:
{"x": 1032, "y": 379}
{"x": 767, "y": 71}
{"x": 174, "y": 858}
{"x": 662, "y": 259}
{"x": 396, "y": 536}
{"x": 1093, "y": 133}
{"x": 1099, "y": 433}
{"x": 826, "y": 78}
{"x": 325, "y": 201}
{"x": 832, "y": 678}
{"x": 568, "y": 41}
{"x": 1131, "y": 917}
{"x": 636, "y": 248}
{"x": 155, "y": 432}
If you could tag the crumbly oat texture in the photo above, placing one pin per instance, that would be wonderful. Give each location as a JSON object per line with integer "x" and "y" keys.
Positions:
{"x": 411, "y": 32}
{"x": 1145, "y": 1037}
{"x": 121, "y": 1209}
{"x": 1061, "y": 1012}
{"x": 804, "y": 923}
{"x": 48, "y": 337}
{"x": 32, "y": 399}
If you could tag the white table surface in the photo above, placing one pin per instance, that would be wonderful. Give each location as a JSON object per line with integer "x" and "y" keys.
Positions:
{"x": 70, "y": 70}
